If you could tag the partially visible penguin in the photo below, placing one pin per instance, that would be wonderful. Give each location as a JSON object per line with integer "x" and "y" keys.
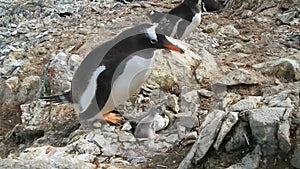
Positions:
{"x": 213, "y": 5}
{"x": 179, "y": 22}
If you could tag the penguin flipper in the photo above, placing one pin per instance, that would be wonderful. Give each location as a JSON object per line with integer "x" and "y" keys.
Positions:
{"x": 62, "y": 98}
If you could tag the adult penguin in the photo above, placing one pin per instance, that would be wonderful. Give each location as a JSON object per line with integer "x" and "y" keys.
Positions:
{"x": 113, "y": 71}
{"x": 179, "y": 22}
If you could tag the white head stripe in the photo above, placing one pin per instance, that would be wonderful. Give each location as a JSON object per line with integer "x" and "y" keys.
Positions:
{"x": 150, "y": 32}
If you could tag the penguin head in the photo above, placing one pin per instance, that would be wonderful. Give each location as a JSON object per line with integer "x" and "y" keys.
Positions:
{"x": 160, "y": 41}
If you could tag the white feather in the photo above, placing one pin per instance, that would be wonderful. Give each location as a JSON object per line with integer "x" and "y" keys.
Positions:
{"x": 90, "y": 90}
{"x": 195, "y": 23}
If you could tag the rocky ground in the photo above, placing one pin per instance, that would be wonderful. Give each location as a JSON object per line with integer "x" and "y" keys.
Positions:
{"x": 231, "y": 101}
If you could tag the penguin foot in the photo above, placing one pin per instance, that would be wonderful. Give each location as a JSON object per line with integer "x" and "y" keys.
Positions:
{"x": 112, "y": 117}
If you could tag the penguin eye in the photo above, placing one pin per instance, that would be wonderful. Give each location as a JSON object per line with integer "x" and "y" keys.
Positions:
{"x": 153, "y": 41}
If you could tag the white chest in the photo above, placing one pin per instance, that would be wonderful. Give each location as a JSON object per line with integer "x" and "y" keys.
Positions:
{"x": 194, "y": 24}
{"x": 135, "y": 73}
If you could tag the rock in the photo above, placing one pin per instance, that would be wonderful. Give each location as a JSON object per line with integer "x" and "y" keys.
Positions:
{"x": 99, "y": 138}
{"x": 45, "y": 157}
{"x": 172, "y": 138}
{"x": 287, "y": 17}
{"x": 7, "y": 97}
{"x": 188, "y": 122}
{"x": 60, "y": 73}
{"x": 208, "y": 69}
{"x": 28, "y": 88}
{"x": 229, "y": 122}
{"x": 229, "y": 100}
{"x": 189, "y": 102}
{"x": 110, "y": 149}
{"x": 247, "y": 14}
{"x": 236, "y": 166}
{"x": 206, "y": 93}
{"x": 245, "y": 77}
{"x": 161, "y": 122}
{"x": 74, "y": 61}
{"x": 229, "y": 30}
{"x": 211, "y": 28}
{"x": 133, "y": 157}
{"x": 12, "y": 82}
{"x": 283, "y": 136}
{"x": 264, "y": 126}
{"x": 146, "y": 127}
{"x": 126, "y": 126}
{"x": 12, "y": 66}
{"x": 295, "y": 161}
{"x": 207, "y": 132}
{"x": 172, "y": 103}
{"x": 238, "y": 140}
{"x": 125, "y": 136}
{"x": 251, "y": 102}
{"x": 83, "y": 146}
{"x": 282, "y": 99}
{"x": 284, "y": 68}
{"x": 250, "y": 161}
{"x": 173, "y": 70}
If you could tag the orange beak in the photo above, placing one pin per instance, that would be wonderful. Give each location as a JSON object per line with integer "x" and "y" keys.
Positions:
{"x": 174, "y": 48}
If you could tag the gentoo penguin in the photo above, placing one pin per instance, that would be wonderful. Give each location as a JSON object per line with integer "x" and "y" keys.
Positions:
{"x": 179, "y": 22}
{"x": 113, "y": 71}
{"x": 213, "y": 5}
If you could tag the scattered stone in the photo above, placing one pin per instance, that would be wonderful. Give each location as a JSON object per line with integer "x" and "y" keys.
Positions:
{"x": 12, "y": 82}
{"x": 207, "y": 132}
{"x": 238, "y": 140}
{"x": 28, "y": 88}
{"x": 146, "y": 127}
{"x": 229, "y": 122}
{"x": 133, "y": 157}
{"x": 283, "y": 136}
{"x": 110, "y": 149}
{"x": 244, "y": 77}
{"x": 189, "y": 101}
{"x": 206, "y": 93}
{"x": 295, "y": 161}
{"x": 188, "y": 122}
{"x": 251, "y": 160}
{"x": 12, "y": 66}
{"x": 251, "y": 102}
{"x": 211, "y": 28}
{"x": 287, "y": 17}
{"x": 172, "y": 103}
{"x": 247, "y": 14}
{"x": 161, "y": 122}
{"x": 126, "y": 127}
{"x": 264, "y": 126}
{"x": 229, "y": 100}
{"x": 125, "y": 136}
{"x": 172, "y": 139}
{"x": 282, "y": 99}
{"x": 208, "y": 71}
{"x": 284, "y": 68}
{"x": 229, "y": 30}
{"x": 45, "y": 157}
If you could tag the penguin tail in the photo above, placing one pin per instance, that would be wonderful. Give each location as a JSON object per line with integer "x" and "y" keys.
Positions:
{"x": 62, "y": 98}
